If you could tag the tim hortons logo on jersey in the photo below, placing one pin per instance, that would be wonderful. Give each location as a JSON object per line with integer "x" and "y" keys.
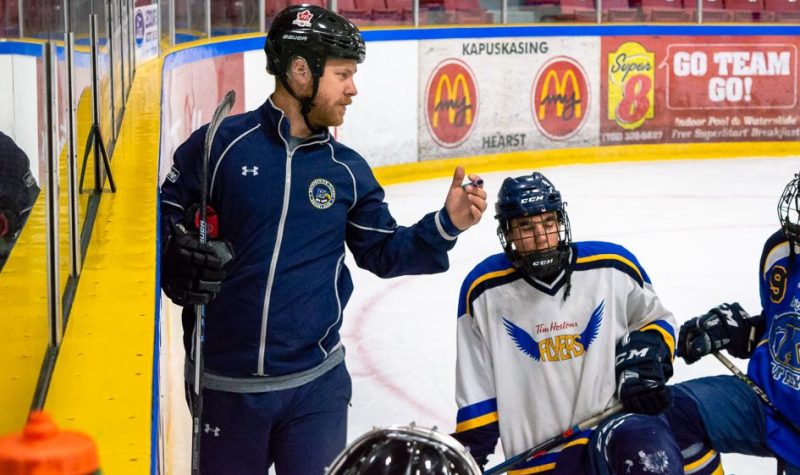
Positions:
{"x": 303, "y": 19}
{"x": 784, "y": 349}
{"x": 321, "y": 193}
{"x": 557, "y": 347}
{"x": 451, "y": 104}
{"x": 560, "y": 98}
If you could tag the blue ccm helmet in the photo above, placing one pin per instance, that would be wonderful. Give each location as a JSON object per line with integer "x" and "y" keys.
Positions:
{"x": 529, "y": 195}
{"x": 789, "y": 210}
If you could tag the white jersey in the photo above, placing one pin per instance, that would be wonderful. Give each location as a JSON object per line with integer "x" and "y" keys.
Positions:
{"x": 536, "y": 362}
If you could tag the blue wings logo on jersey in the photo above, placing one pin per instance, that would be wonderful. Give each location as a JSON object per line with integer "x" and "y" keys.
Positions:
{"x": 557, "y": 347}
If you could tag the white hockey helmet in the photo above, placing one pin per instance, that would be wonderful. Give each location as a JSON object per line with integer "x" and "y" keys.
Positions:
{"x": 404, "y": 449}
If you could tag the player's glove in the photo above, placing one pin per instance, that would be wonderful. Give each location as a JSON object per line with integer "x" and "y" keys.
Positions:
{"x": 8, "y": 223}
{"x": 726, "y": 326}
{"x": 643, "y": 366}
{"x": 192, "y": 272}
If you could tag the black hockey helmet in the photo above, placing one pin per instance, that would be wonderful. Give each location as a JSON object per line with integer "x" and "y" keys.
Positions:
{"x": 530, "y": 195}
{"x": 314, "y": 34}
{"x": 404, "y": 449}
{"x": 789, "y": 210}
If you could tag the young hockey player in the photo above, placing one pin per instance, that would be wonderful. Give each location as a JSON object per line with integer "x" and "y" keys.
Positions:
{"x": 552, "y": 332}
{"x": 288, "y": 198}
{"x": 770, "y": 339}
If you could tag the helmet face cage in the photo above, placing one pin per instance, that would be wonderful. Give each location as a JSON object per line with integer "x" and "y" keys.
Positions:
{"x": 535, "y": 197}
{"x": 314, "y": 34}
{"x": 789, "y": 210}
{"x": 404, "y": 449}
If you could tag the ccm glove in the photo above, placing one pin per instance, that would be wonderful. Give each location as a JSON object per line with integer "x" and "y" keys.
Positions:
{"x": 643, "y": 366}
{"x": 193, "y": 272}
{"x": 726, "y": 326}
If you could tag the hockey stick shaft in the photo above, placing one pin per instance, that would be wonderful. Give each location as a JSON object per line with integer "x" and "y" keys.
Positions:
{"x": 553, "y": 442}
{"x": 756, "y": 389}
{"x": 222, "y": 110}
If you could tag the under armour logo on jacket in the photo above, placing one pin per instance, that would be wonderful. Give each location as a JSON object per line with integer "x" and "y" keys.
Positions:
{"x": 253, "y": 171}
{"x": 214, "y": 431}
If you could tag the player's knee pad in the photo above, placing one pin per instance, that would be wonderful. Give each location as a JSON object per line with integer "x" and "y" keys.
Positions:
{"x": 635, "y": 444}
{"x": 683, "y": 417}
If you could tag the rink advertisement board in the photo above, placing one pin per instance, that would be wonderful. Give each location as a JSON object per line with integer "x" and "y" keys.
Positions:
{"x": 145, "y": 32}
{"x": 449, "y": 93}
{"x": 699, "y": 89}
{"x": 483, "y": 96}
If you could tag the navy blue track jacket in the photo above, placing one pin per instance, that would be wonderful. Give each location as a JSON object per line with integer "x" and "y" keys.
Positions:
{"x": 287, "y": 213}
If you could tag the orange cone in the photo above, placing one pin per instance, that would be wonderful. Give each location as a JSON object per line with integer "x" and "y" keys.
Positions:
{"x": 43, "y": 449}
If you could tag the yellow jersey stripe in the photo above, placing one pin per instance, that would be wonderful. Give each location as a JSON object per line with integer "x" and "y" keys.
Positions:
{"x": 480, "y": 280}
{"x": 613, "y": 257}
{"x": 701, "y": 463}
{"x": 549, "y": 466}
{"x": 477, "y": 422}
{"x": 668, "y": 338}
{"x": 538, "y": 469}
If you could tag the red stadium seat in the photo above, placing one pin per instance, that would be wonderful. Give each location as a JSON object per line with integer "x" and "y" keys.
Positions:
{"x": 713, "y": 11}
{"x": 272, "y": 7}
{"x": 468, "y": 11}
{"x": 579, "y": 10}
{"x": 664, "y": 11}
{"x": 319, "y": 3}
{"x": 785, "y": 11}
{"x": 382, "y": 14}
{"x": 350, "y": 10}
{"x": 748, "y": 10}
{"x": 619, "y": 11}
{"x": 405, "y": 6}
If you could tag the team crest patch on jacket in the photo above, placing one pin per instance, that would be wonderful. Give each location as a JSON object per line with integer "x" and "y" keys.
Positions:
{"x": 321, "y": 193}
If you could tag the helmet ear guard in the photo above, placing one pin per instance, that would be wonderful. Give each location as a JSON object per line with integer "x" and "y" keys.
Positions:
{"x": 531, "y": 195}
{"x": 789, "y": 210}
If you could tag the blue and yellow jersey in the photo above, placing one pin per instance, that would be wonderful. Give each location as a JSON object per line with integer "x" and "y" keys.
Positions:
{"x": 530, "y": 362}
{"x": 775, "y": 364}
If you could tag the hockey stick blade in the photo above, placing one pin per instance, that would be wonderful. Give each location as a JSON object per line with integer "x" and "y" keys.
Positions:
{"x": 553, "y": 442}
{"x": 756, "y": 389}
{"x": 222, "y": 110}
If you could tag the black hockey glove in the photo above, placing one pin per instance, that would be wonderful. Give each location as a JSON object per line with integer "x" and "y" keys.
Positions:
{"x": 192, "y": 273}
{"x": 643, "y": 366}
{"x": 7, "y": 223}
{"x": 726, "y": 326}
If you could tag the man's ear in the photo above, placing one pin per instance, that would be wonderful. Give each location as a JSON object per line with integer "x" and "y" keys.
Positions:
{"x": 299, "y": 73}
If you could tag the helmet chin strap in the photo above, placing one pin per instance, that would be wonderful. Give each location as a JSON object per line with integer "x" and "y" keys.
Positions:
{"x": 306, "y": 103}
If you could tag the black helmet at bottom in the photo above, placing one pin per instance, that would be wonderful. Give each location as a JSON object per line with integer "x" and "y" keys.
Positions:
{"x": 404, "y": 449}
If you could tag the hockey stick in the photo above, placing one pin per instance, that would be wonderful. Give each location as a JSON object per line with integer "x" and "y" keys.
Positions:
{"x": 220, "y": 113}
{"x": 553, "y": 442}
{"x": 756, "y": 389}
